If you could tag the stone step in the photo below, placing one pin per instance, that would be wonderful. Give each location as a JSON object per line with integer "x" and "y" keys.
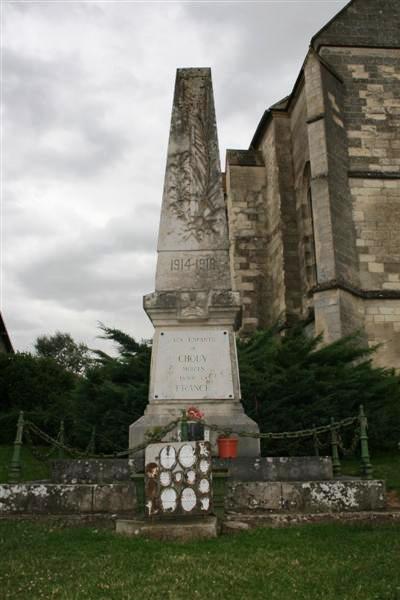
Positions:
{"x": 235, "y": 522}
{"x": 183, "y": 529}
{"x": 49, "y": 498}
{"x": 271, "y": 468}
{"x": 337, "y": 495}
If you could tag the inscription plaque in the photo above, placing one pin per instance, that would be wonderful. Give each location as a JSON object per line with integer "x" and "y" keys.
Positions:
{"x": 193, "y": 364}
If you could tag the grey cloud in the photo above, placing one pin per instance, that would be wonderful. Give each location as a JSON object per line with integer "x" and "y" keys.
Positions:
{"x": 99, "y": 268}
{"x": 44, "y": 97}
{"x": 89, "y": 92}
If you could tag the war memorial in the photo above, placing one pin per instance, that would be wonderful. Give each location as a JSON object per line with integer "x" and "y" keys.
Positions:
{"x": 174, "y": 485}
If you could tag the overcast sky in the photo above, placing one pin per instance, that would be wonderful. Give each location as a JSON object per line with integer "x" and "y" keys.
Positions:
{"x": 87, "y": 100}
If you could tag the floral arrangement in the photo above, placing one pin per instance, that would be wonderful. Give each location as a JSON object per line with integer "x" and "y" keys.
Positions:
{"x": 194, "y": 414}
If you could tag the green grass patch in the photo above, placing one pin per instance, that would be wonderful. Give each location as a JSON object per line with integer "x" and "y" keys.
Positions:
{"x": 385, "y": 466}
{"x": 333, "y": 562}
{"x": 32, "y": 468}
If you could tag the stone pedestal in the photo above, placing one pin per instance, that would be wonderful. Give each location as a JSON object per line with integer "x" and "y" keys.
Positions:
{"x": 194, "y": 310}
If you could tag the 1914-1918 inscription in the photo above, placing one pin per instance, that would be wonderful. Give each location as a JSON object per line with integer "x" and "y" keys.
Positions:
{"x": 206, "y": 263}
{"x": 193, "y": 270}
{"x": 193, "y": 364}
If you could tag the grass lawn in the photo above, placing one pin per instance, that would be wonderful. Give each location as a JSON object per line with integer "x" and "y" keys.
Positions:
{"x": 31, "y": 467}
{"x": 328, "y": 562}
{"x": 385, "y": 466}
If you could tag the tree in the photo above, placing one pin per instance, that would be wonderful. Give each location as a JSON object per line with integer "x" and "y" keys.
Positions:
{"x": 291, "y": 381}
{"x": 113, "y": 392}
{"x": 65, "y": 351}
{"x": 37, "y": 385}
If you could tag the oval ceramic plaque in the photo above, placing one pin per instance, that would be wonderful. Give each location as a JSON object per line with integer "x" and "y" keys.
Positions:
{"x": 204, "y": 466}
{"x": 178, "y": 476}
{"x": 191, "y": 477}
{"x": 204, "y": 486}
{"x": 168, "y": 457}
{"x": 187, "y": 456}
{"x": 168, "y": 499}
{"x": 188, "y": 499}
{"x": 205, "y": 503}
{"x": 165, "y": 478}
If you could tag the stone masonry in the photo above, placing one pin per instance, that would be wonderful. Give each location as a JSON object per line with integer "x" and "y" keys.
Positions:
{"x": 314, "y": 204}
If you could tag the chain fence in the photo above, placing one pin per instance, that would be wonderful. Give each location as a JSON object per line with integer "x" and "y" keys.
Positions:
{"x": 30, "y": 430}
{"x": 27, "y": 430}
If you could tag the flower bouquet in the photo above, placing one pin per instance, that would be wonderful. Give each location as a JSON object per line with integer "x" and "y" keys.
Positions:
{"x": 192, "y": 428}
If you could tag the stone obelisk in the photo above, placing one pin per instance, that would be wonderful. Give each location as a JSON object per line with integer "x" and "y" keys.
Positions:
{"x": 194, "y": 310}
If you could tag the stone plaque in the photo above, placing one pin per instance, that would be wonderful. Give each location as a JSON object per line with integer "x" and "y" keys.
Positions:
{"x": 178, "y": 479}
{"x": 193, "y": 364}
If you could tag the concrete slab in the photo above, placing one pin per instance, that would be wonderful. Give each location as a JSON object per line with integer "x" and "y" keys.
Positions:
{"x": 182, "y": 530}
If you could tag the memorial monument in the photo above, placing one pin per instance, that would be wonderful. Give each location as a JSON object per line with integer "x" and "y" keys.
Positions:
{"x": 193, "y": 309}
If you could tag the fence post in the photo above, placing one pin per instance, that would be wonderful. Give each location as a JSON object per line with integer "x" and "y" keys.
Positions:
{"x": 61, "y": 439}
{"x": 335, "y": 450}
{"x": 366, "y": 467}
{"x": 315, "y": 440}
{"x": 15, "y": 465}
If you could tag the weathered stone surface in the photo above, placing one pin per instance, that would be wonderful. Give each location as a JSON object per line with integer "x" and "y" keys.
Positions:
{"x": 193, "y": 364}
{"x": 114, "y": 498}
{"x": 336, "y": 495}
{"x": 313, "y": 208}
{"x": 246, "y": 497}
{"x": 235, "y": 522}
{"x": 194, "y": 310}
{"x": 254, "y": 496}
{"x": 91, "y": 470}
{"x": 294, "y": 468}
{"x": 307, "y": 496}
{"x": 47, "y": 498}
{"x": 193, "y": 211}
{"x": 271, "y": 468}
{"x": 183, "y": 530}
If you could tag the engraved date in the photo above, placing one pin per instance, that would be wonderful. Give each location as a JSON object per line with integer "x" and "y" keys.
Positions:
{"x": 193, "y": 264}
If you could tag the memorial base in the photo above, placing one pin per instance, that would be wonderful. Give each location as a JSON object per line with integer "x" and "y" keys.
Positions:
{"x": 183, "y": 530}
{"x": 226, "y": 415}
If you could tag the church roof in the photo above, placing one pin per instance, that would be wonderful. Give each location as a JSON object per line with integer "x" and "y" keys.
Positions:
{"x": 361, "y": 23}
{"x": 5, "y": 338}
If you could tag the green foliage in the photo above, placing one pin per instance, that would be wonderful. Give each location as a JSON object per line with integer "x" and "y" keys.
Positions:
{"x": 113, "y": 393}
{"x": 328, "y": 561}
{"x": 31, "y": 468}
{"x": 37, "y": 385}
{"x": 288, "y": 382}
{"x": 65, "y": 351}
{"x": 291, "y": 381}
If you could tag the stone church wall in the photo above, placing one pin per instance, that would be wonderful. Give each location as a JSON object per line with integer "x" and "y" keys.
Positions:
{"x": 246, "y": 186}
{"x": 331, "y": 188}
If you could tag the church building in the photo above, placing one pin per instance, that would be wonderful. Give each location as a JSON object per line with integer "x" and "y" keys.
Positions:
{"x": 314, "y": 203}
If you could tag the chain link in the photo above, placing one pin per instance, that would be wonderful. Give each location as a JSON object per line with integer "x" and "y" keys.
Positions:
{"x": 350, "y": 450}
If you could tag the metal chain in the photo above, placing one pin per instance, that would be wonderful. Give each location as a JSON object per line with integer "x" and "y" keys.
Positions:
{"x": 301, "y": 433}
{"x": 350, "y": 450}
{"x": 80, "y": 454}
{"x": 158, "y": 436}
